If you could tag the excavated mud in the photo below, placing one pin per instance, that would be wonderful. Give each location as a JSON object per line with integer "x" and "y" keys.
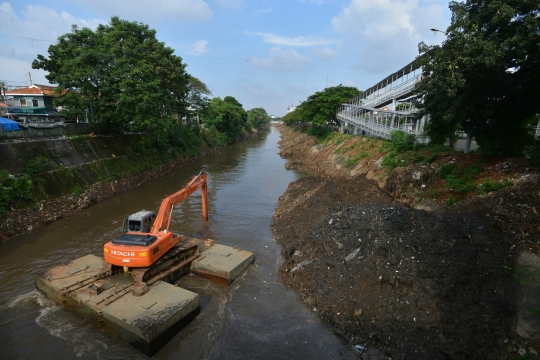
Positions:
{"x": 412, "y": 283}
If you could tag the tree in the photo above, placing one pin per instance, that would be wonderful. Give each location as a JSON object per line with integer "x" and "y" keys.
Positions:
{"x": 197, "y": 93}
{"x": 120, "y": 74}
{"x": 321, "y": 106}
{"x": 258, "y": 117}
{"x": 227, "y": 116}
{"x": 485, "y": 77}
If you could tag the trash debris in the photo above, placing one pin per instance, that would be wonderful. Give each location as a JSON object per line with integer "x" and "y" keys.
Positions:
{"x": 301, "y": 265}
{"x": 352, "y": 255}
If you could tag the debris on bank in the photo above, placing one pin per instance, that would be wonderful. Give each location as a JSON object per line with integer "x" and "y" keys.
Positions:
{"x": 412, "y": 283}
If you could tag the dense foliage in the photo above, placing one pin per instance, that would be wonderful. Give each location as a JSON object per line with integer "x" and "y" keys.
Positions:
{"x": 13, "y": 190}
{"x": 320, "y": 108}
{"x": 485, "y": 77}
{"x": 258, "y": 118}
{"x": 119, "y": 74}
{"x": 226, "y": 116}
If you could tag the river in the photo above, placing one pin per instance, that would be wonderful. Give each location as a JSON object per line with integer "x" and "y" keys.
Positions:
{"x": 256, "y": 317}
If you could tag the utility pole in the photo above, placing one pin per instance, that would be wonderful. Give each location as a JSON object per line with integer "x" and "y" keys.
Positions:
{"x": 30, "y": 77}
{"x": 326, "y": 82}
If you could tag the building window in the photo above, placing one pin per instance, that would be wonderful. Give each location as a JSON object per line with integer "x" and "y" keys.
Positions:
{"x": 23, "y": 102}
{"x": 35, "y": 103}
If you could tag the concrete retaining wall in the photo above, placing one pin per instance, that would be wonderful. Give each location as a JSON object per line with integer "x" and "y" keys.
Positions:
{"x": 69, "y": 129}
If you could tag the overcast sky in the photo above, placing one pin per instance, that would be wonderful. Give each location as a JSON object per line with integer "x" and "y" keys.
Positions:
{"x": 265, "y": 53}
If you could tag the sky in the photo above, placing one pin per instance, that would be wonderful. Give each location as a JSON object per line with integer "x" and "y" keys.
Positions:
{"x": 266, "y": 53}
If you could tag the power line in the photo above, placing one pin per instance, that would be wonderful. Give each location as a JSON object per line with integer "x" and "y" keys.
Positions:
{"x": 12, "y": 81}
{"x": 233, "y": 59}
{"x": 5, "y": 72}
{"x": 278, "y": 62}
{"x": 27, "y": 38}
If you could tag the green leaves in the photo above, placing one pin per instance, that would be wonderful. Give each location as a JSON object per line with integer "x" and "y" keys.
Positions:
{"x": 227, "y": 116}
{"x": 258, "y": 118}
{"x": 485, "y": 77}
{"x": 12, "y": 190}
{"x": 321, "y": 106}
{"x": 119, "y": 74}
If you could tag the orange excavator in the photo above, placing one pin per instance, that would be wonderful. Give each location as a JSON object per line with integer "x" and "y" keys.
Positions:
{"x": 146, "y": 248}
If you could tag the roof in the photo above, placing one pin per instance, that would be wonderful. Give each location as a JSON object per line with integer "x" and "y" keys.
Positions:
{"x": 33, "y": 90}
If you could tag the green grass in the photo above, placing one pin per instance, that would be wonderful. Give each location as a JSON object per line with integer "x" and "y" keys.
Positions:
{"x": 77, "y": 190}
{"x": 490, "y": 185}
{"x": 460, "y": 181}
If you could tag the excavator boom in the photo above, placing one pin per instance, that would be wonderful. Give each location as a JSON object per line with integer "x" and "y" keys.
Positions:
{"x": 164, "y": 215}
{"x": 141, "y": 246}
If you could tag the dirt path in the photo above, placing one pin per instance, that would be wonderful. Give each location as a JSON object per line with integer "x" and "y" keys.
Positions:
{"x": 414, "y": 284}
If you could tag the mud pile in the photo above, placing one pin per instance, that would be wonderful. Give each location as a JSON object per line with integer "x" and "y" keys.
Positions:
{"x": 415, "y": 285}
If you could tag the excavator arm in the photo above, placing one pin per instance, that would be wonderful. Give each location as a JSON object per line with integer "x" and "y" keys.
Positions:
{"x": 164, "y": 216}
{"x": 141, "y": 249}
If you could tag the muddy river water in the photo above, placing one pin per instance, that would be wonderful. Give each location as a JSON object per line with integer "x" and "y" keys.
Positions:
{"x": 254, "y": 318}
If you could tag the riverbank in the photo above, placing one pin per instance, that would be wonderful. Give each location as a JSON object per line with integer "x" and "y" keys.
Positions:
{"x": 70, "y": 174}
{"x": 412, "y": 283}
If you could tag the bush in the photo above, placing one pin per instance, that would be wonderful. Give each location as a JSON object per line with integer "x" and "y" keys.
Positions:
{"x": 39, "y": 165}
{"x": 319, "y": 132}
{"x": 490, "y": 185}
{"x": 13, "y": 190}
{"x": 459, "y": 180}
{"x": 77, "y": 191}
{"x": 402, "y": 141}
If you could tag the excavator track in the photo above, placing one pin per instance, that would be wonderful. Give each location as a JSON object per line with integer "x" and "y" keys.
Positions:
{"x": 174, "y": 259}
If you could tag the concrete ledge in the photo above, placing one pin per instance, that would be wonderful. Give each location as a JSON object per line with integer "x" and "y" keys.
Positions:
{"x": 222, "y": 263}
{"x": 146, "y": 322}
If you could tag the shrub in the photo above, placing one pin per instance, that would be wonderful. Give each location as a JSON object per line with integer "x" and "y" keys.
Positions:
{"x": 490, "y": 185}
{"x": 77, "y": 190}
{"x": 319, "y": 132}
{"x": 402, "y": 141}
{"x": 12, "y": 190}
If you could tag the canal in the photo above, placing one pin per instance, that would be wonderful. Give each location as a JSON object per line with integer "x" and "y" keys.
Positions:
{"x": 254, "y": 318}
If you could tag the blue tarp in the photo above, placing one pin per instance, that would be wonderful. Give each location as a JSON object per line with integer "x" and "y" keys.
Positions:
{"x": 8, "y": 125}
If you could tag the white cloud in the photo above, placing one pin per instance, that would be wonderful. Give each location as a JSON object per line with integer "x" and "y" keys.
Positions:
{"x": 199, "y": 47}
{"x": 261, "y": 11}
{"x": 325, "y": 54}
{"x": 387, "y": 32}
{"x": 152, "y": 10}
{"x": 230, "y": 3}
{"x": 290, "y": 41}
{"x": 282, "y": 60}
{"x": 29, "y": 35}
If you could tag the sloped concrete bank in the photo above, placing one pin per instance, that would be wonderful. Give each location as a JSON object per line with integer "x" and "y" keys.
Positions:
{"x": 459, "y": 282}
{"x": 73, "y": 173}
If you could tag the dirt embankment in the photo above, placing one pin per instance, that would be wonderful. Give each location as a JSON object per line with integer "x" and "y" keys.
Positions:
{"x": 414, "y": 284}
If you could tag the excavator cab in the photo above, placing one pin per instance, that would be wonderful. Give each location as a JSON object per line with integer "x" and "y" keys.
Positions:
{"x": 141, "y": 221}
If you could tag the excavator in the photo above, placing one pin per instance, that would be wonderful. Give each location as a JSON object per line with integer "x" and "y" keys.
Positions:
{"x": 147, "y": 249}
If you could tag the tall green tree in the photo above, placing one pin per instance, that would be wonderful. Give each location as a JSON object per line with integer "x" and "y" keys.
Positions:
{"x": 485, "y": 77}
{"x": 258, "y": 118}
{"x": 227, "y": 116}
{"x": 120, "y": 74}
{"x": 321, "y": 106}
{"x": 197, "y": 93}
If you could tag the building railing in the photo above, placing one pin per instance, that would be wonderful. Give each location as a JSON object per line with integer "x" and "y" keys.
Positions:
{"x": 393, "y": 92}
{"x": 381, "y": 130}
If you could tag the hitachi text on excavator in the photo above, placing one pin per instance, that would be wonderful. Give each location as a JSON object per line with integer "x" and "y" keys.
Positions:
{"x": 146, "y": 247}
